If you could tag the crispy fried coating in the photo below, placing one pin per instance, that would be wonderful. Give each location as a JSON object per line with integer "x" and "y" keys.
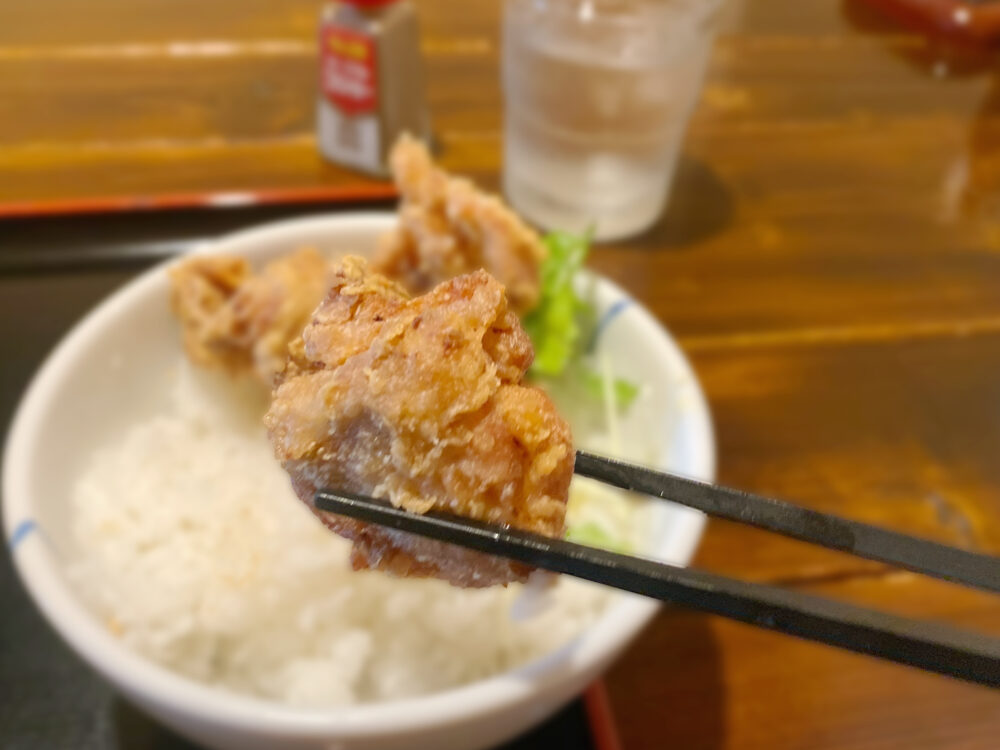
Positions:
{"x": 447, "y": 227}
{"x": 242, "y": 321}
{"x": 420, "y": 401}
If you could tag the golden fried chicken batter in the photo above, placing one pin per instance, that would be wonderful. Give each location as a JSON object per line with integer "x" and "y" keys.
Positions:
{"x": 421, "y": 401}
{"x": 447, "y": 228}
{"x": 241, "y": 321}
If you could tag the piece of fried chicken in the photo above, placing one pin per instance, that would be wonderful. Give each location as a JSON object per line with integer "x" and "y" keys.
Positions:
{"x": 241, "y": 321}
{"x": 420, "y": 401}
{"x": 447, "y": 227}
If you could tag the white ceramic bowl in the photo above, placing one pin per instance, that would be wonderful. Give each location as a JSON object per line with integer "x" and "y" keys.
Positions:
{"x": 109, "y": 372}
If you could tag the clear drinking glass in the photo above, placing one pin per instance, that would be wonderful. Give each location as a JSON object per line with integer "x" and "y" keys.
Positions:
{"x": 598, "y": 94}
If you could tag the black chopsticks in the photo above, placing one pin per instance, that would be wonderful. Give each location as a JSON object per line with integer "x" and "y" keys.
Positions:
{"x": 935, "y": 647}
{"x": 860, "y": 539}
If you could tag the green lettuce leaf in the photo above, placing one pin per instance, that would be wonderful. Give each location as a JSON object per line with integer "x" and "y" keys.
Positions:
{"x": 553, "y": 325}
{"x": 562, "y": 323}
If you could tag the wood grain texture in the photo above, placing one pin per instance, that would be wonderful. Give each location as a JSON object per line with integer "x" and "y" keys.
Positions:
{"x": 73, "y": 22}
{"x": 701, "y": 683}
{"x": 830, "y": 261}
{"x": 896, "y": 432}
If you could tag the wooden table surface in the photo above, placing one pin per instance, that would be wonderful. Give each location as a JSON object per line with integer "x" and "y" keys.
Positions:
{"x": 830, "y": 263}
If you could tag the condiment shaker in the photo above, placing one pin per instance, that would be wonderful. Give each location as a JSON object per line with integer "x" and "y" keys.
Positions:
{"x": 371, "y": 81}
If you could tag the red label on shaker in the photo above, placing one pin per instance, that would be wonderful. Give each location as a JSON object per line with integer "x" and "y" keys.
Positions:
{"x": 347, "y": 70}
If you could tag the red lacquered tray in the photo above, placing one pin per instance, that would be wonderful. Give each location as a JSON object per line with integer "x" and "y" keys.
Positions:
{"x": 320, "y": 194}
{"x": 961, "y": 21}
{"x": 603, "y": 729}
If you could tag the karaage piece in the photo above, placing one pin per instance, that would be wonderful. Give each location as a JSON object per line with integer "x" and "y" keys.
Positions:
{"x": 242, "y": 321}
{"x": 447, "y": 227}
{"x": 420, "y": 401}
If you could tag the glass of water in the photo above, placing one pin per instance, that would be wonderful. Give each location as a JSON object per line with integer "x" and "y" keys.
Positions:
{"x": 598, "y": 94}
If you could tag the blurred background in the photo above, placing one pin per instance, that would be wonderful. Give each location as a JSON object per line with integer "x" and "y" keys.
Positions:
{"x": 817, "y": 220}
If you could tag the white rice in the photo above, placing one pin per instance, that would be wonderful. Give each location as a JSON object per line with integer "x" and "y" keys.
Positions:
{"x": 194, "y": 551}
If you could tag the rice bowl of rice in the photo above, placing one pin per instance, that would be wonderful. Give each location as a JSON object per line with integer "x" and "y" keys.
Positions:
{"x": 155, "y": 531}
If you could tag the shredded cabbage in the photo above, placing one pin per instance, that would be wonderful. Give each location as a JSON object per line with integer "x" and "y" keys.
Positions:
{"x": 584, "y": 387}
{"x": 594, "y": 534}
